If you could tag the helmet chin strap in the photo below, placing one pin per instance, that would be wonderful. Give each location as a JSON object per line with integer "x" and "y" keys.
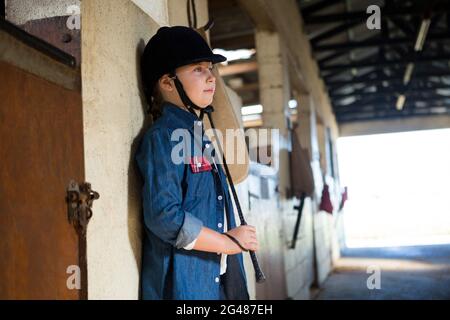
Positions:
{"x": 185, "y": 99}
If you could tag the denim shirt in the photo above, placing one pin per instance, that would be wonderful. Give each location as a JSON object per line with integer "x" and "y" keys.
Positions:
{"x": 176, "y": 204}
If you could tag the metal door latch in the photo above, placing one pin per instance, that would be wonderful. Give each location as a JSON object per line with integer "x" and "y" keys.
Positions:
{"x": 79, "y": 202}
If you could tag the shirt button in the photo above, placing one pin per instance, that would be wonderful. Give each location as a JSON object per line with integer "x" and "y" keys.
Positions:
{"x": 219, "y": 225}
{"x": 207, "y": 145}
{"x": 217, "y": 279}
{"x": 219, "y": 197}
{"x": 199, "y": 123}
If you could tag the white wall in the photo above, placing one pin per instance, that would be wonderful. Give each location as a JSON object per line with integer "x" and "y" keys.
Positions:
{"x": 113, "y": 35}
{"x": 19, "y": 11}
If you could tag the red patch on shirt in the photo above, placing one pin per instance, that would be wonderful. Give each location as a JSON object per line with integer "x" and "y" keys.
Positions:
{"x": 200, "y": 164}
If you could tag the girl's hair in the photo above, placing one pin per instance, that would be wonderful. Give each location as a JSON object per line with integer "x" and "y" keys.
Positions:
{"x": 156, "y": 103}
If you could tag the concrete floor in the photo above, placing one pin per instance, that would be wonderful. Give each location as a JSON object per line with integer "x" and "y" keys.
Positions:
{"x": 415, "y": 272}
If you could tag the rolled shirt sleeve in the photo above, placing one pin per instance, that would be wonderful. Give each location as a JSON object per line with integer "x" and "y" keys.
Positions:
{"x": 191, "y": 245}
{"x": 162, "y": 191}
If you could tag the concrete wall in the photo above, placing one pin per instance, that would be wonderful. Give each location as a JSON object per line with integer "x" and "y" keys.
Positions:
{"x": 155, "y": 9}
{"x": 178, "y": 15}
{"x": 299, "y": 262}
{"x": 113, "y": 118}
{"x": 394, "y": 125}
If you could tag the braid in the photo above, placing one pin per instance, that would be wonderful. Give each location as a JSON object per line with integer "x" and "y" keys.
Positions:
{"x": 156, "y": 103}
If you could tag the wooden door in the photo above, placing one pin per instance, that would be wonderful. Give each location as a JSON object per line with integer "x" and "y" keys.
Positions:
{"x": 41, "y": 150}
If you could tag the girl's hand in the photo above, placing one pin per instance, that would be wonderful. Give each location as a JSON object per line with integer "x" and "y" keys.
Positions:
{"x": 246, "y": 235}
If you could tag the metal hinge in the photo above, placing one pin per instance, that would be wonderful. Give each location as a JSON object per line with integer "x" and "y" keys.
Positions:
{"x": 79, "y": 204}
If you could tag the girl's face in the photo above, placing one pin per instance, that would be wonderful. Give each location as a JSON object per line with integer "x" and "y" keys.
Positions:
{"x": 198, "y": 82}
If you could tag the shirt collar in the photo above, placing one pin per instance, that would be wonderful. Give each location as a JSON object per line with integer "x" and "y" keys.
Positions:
{"x": 179, "y": 117}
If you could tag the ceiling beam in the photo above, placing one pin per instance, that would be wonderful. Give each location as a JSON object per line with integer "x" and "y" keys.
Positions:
{"x": 239, "y": 42}
{"x": 331, "y": 57}
{"x": 313, "y": 8}
{"x": 387, "y": 116}
{"x": 391, "y": 90}
{"x": 376, "y": 41}
{"x": 365, "y": 64}
{"x": 330, "y": 74}
{"x": 362, "y": 80}
{"x": 366, "y": 76}
{"x": 237, "y": 68}
{"x": 385, "y": 102}
{"x": 334, "y": 31}
{"x": 402, "y": 26}
{"x": 336, "y": 85}
{"x": 361, "y": 16}
{"x": 391, "y": 126}
{"x": 386, "y": 108}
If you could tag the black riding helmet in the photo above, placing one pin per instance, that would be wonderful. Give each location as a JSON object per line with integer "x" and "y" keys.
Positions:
{"x": 171, "y": 48}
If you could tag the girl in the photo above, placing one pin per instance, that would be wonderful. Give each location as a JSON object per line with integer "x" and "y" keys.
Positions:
{"x": 191, "y": 250}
